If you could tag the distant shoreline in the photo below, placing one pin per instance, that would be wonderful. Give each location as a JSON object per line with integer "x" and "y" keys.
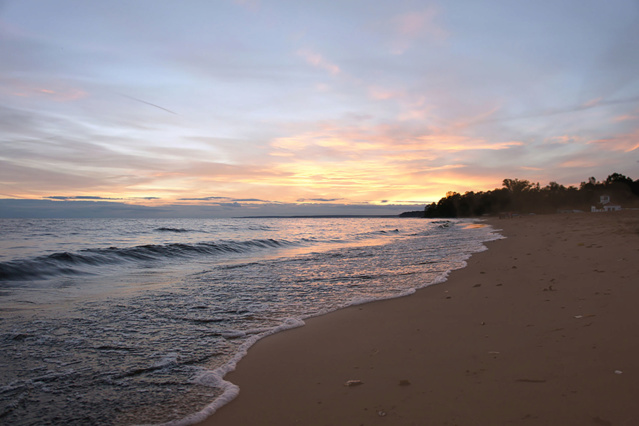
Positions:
{"x": 336, "y": 216}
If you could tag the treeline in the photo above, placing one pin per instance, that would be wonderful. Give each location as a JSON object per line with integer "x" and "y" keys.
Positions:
{"x": 522, "y": 196}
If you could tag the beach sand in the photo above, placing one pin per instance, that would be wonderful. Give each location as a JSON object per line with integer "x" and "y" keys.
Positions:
{"x": 541, "y": 329}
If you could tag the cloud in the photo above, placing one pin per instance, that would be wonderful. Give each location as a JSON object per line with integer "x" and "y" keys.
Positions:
{"x": 563, "y": 139}
{"x": 80, "y": 197}
{"x": 594, "y": 103}
{"x": 226, "y": 199}
{"x": 317, "y": 60}
{"x": 31, "y": 208}
{"x": 409, "y": 28}
{"x": 55, "y": 91}
{"x": 44, "y": 153}
{"x": 385, "y": 162}
{"x": 230, "y": 205}
{"x": 579, "y": 163}
{"x": 12, "y": 208}
{"x": 250, "y": 5}
{"x": 625, "y": 143}
{"x": 415, "y": 24}
{"x": 456, "y": 143}
{"x": 626, "y": 117}
{"x": 74, "y": 160}
{"x": 321, "y": 200}
{"x": 334, "y": 141}
{"x": 317, "y": 101}
{"x": 203, "y": 199}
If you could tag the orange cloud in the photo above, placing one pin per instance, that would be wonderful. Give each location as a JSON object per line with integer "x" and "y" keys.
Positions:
{"x": 382, "y": 162}
{"x": 578, "y": 164}
{"x": 450, "y": 142}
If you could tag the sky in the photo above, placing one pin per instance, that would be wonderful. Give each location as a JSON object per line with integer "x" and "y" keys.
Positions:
{"x": 252, "y": 107}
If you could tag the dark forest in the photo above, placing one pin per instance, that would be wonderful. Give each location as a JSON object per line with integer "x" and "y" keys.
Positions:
{"x": 518, "y": 196}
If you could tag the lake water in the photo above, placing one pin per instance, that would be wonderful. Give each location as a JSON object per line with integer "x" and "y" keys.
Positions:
{"x": 115, "y": 321}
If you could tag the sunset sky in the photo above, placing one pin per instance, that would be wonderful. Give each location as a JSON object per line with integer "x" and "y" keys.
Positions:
{"x": 311, "y": 106}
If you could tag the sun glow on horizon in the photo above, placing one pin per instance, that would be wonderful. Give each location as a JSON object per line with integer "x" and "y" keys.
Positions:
{"x": 262, "y": 104}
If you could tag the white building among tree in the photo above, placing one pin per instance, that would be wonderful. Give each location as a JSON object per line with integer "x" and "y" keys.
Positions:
{"x": 605, "y": 205}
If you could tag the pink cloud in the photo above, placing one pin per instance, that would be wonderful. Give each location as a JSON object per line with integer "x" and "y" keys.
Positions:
{"x": 381, "y": 93}
{"x": 409, "y": 27}
{"x": 563, "y": 139}
{"x": 250, "y": 5}
{"x": 317, "y": 60}
{"x": 58, "y": 92}
{"x": 582, "y": 164}
{"x": 626, "y": 117}
{"x": 626, "y": 143}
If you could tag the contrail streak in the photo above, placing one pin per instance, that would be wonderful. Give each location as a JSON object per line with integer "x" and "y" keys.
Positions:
{"x": 148, "y": 103}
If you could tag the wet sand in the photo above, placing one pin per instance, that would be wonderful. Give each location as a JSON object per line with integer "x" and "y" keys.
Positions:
{"x": 541, "y": 329}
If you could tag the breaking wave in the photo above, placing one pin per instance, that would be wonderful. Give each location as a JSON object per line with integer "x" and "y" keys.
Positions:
{"x": 80, "y": 262}
{"x": 168, "y": 229}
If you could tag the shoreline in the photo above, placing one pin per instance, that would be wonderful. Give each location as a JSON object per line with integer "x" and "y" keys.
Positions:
{"x": 529, "y": 332}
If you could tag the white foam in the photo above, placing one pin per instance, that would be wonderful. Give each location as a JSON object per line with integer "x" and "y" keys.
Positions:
{"x": 215, "y": 378}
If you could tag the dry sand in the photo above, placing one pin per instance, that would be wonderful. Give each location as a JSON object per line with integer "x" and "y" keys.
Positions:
{"x": 541, "y": 329}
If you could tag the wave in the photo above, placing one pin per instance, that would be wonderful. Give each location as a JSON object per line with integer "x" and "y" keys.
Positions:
{"x": 168, "y": 229}
{"x": 65, "y": 263}
{"x": 377, "y": 233}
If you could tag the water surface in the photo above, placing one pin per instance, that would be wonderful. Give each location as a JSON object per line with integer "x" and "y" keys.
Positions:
{"x": 115, "y": 321}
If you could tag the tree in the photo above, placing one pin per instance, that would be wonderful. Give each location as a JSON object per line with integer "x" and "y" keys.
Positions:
{"x": 525, "y": 197}
{"x": 618, "y": 178}
{"x": 619, "y": 187}
{"x": 516, "y": 186}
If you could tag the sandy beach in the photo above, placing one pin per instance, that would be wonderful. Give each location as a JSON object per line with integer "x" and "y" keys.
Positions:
{"x": 541, "y": 329}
